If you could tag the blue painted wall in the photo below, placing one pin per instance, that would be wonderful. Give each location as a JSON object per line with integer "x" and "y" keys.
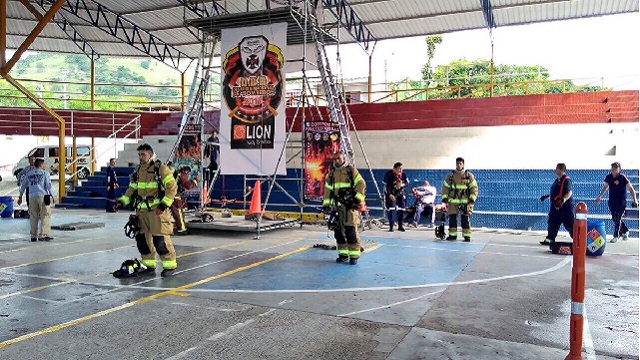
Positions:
{"x": 508, "y": 199}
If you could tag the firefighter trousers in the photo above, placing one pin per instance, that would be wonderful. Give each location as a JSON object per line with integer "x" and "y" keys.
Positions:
{"x": 346, "y": 233}
{"x": 154, "y": 237}
{"x": 465, "y": 219}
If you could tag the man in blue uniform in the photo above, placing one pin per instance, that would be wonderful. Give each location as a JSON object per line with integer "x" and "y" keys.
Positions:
{"x": 112, "y": 185}
{"x": 38, "y": 182}
{"x": 395, "y": 182}
{"x": 561, "y": 209}
{"x": 618, "y": 183}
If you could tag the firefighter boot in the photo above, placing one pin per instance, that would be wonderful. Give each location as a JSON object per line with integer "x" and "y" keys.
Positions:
{"x": 147, "y": 271}
{"x": 167, "y": 272}
{"x": 353, "y": 261}
{"x": 342, "y": 259}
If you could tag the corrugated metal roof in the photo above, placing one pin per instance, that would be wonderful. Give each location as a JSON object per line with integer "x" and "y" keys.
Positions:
{"x": 165, "y": 19}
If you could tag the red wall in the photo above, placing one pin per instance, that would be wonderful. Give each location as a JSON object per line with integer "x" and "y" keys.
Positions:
{"x": 577, "y": 108}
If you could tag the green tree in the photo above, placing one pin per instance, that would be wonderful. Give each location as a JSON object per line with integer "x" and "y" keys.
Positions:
{"x": 432, "y": 41}
{"x": 465, "y": 78}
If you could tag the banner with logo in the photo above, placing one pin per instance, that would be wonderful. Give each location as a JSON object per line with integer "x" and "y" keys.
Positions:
{"x": 187, "y": 156}
{"x": 252, "y": 120}
{"x": 322, "y": 140}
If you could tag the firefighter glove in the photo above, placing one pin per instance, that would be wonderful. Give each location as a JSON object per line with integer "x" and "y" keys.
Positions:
{"x": 326, "y": 209}
{"x": 634, "y": 204}
{"x": 445, "y": 200}
{"x": 162, "y": 207}
{"x": 544, "y": 197}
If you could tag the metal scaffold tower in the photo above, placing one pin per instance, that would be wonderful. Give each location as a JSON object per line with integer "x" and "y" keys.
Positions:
{"x": 337, "y": 108}
{"x": 305, "y": 29}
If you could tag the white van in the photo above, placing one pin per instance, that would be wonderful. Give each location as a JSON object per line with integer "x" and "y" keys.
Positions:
{"x": 51, "y": 154}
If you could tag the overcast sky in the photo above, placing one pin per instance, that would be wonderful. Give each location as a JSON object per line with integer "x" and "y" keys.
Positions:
{"x": 594, "y": 47}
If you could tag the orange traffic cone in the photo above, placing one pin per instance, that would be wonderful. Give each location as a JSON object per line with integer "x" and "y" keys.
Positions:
{"x": 205, "y": 195}
{"x": 256, "y": 200}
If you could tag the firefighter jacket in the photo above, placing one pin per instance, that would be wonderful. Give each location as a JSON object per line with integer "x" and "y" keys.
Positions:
{"x": 151, "y": 185}
{"x": 459, "y": 188}
{"x": 344, "y": 186}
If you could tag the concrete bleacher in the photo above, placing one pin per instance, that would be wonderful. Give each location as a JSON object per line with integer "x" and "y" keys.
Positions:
{"x": 93, "y": 192}
{"x": 511, "y": 144}
{"x": 20, "y": 121}
{"x": 508, "y": 199}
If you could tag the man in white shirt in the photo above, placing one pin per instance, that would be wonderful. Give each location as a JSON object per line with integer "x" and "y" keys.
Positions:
{"x": 425, "y": 198}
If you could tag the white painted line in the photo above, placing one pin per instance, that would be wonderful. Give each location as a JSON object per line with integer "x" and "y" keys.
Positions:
{"x": 381, "y": 288}
{"x": 471, "y": 251}
{"x": 219, "y": 335}
{"x": 393, "y": 304}
{"x": 560, "y": 265}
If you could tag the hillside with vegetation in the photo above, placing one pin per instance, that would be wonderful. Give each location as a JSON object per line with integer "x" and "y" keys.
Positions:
{"x": 63, "y": 81}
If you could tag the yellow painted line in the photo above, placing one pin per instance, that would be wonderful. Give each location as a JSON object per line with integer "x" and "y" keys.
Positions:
{"x": 285, "y": 214}
{"x": 69, "y": 281}
{"x": 373, "y": 248}
{"x": 144, "y": 300}
{"x": 214, "y": 248}
{"x": 181, "y": 294}
{"x": 64, "y": 257}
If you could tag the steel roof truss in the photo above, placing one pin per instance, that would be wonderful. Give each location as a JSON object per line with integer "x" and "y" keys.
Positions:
{"x": 343, "y": 12}
{"x": 488, "y": 14}
{"x": 124, "y": 30}
{"x": 200, "y": 8}
{"x": 70, "y": 30}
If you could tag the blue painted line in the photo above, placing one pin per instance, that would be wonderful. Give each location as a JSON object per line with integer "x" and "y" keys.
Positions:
{"x": 421, "y": 263}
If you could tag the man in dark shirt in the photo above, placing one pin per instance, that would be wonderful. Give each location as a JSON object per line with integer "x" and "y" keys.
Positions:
{"x": 561, "y": 209}
{"x": 618, "y": 183}
{"x": 211, "y": 150}
{"x": 395, "y": 182}
{"x": 112, "y": 185}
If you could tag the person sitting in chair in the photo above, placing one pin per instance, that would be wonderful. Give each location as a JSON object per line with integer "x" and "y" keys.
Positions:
{"x": 425, "y": 197}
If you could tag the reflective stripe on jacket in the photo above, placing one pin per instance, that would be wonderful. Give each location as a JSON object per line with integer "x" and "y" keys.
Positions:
{"x": 459, "y": 188}
{"x": 341, "y": 180}
{"x": 146, "y": 187}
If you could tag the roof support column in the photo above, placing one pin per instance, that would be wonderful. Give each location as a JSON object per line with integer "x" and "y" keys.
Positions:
{"x": 3, "y": 32}
{"x": 61, "y": 131}
{"x": 183, "y": 93}
{"x": 369, "y": 79}
{"x": 93, "y": 84}
{"x": 6, "y": 68}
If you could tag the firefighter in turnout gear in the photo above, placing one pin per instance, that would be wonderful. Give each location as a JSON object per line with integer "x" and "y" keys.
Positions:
{"x": 459, "y": 192}
{"x": 343, "y": 194}
{"x": 151, "y": 191}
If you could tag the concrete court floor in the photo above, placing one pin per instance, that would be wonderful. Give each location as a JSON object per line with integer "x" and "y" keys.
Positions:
{"x": 502, "y": 296}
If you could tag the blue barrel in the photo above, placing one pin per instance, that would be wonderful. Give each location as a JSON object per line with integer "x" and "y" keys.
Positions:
{"x": 6, "y": 206}
{"x": 596, "y": 237}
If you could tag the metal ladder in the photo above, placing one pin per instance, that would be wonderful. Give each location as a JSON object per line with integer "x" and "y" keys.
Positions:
{"x": 335, "y": 100}
{"x": 195, "y": 106}
{"x": 333, "y": 96}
